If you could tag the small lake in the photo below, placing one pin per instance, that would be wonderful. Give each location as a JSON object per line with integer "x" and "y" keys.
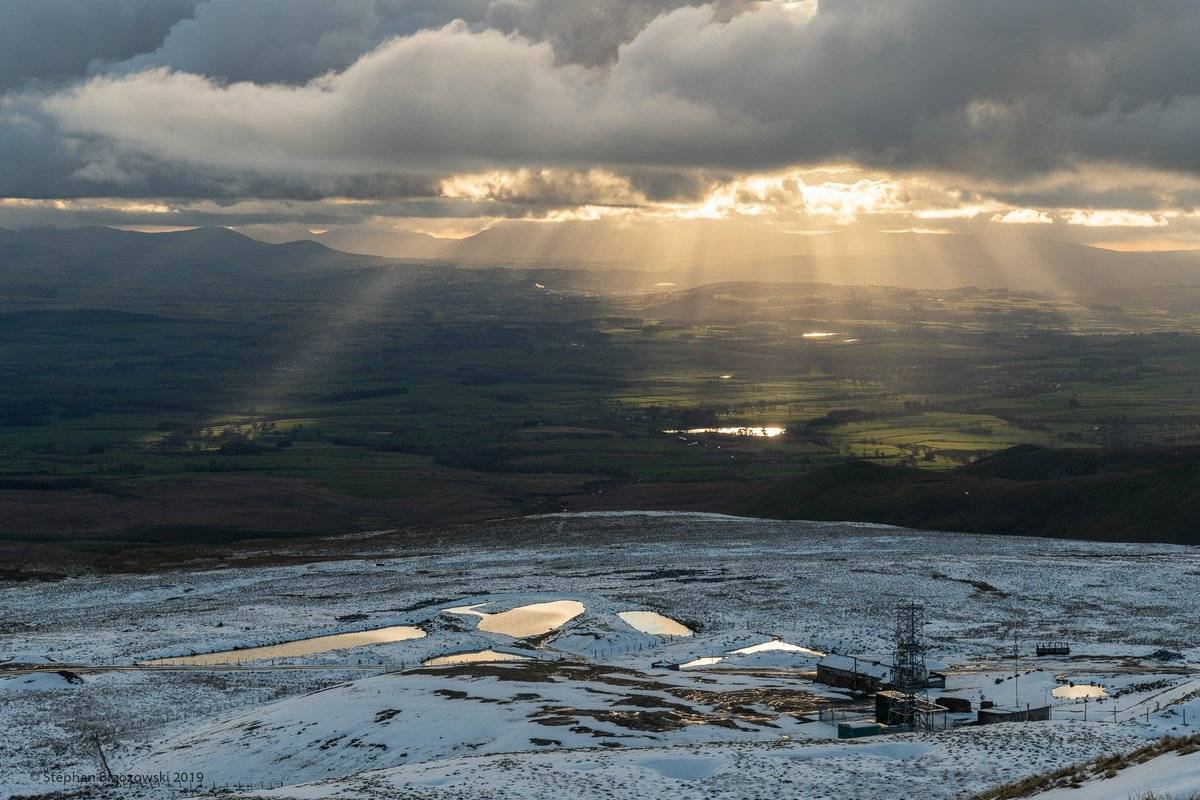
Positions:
{"x": 1079, "y": 691}
{"x": 474, "y": 657}
{"x": 299, "y": 647}
{"x": 765, "y": 430}
{"x": 654, "y": 623}
{"x": 524, "y": 621}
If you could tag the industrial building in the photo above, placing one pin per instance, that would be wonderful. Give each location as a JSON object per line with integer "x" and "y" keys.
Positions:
{"x": 864, "y": 675}
{"x": 931, "y": 716}
{"x": 848, "y": 672}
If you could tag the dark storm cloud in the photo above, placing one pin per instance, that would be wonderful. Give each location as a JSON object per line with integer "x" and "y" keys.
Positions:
{"x": 1134, "y": 197}
{"x": 587, "y": 32}
{"x": 229, "y": 103}
{"x": 48, "y": 41}
{"x": 39, "y": 162}
{"x": 292, "y": 41}
{"x": 289, "y": 41}
{"x": 45, "y": 41}
{"x": 673, "y": 186}
{"x": 976, "y": 86}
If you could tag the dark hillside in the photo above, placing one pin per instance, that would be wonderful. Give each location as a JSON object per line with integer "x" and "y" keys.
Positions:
{"x": 1137, "y": 496}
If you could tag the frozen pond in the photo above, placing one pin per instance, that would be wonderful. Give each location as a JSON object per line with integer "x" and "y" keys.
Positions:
{"x": 523, "y": 621}
{"x": 655, "y": 623}
{"x": 473, "y": 657}
{"x": 299, "y": 647}
{"x": 704, "y": 661}
{"x": 1079, "y": 691}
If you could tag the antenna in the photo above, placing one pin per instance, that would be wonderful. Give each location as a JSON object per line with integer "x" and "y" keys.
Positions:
{"x": 909, "y": 674}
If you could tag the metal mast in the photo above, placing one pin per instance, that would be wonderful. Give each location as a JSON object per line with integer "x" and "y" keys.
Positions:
{"x": 909, "y": 674}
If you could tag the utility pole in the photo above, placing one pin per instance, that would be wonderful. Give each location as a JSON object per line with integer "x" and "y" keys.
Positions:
{"x": 1016, "y": 674}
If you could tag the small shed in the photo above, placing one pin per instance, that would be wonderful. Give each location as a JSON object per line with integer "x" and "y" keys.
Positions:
{"x": 959, "y": 705}
{"x": 1053, "y": 649}
{"x": 988, "y": 716}
{"x": 858, "y": 728}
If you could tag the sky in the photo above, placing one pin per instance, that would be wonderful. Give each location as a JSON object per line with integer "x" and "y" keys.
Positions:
{"x": 1076, "y": 119}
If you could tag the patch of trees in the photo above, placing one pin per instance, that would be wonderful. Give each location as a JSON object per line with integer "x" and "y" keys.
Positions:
{"x": 364, "y": 394}
{"x": 842, "y": 416}
{"x": 977, "y": 430}
{"x": 24, "y": 414}
{"x": 483, "y": 459}
{"x": 39, "y": 484}
{"x": 214, "y": 465}
{"x": 690, "y": 417}
{"x": 239, "y": 446}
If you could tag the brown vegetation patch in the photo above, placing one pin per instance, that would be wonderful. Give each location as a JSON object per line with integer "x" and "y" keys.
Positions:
{"x": 1101, "y": 767}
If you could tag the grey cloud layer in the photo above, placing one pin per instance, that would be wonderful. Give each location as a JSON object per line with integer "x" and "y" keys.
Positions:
{"x": 283, "y": 41}
{"x": 47, "y": 41}
{"x": 236, "y": 100}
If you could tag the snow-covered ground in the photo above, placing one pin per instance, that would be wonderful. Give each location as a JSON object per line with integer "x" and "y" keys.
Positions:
{"x": 943, "y": 765}
{"x": 1169, "y": 777}
{"x": 596, "y": 707}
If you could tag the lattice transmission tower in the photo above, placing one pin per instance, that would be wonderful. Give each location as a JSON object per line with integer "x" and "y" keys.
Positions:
{"x": 910, "y": 677}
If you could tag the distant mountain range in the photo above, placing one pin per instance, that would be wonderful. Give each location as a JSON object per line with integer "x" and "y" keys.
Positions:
{"x": 694, "y": 254}
{"x": 107, "y": 268}
{"x": 132, "y": 257}
{"x": 704, "y": 251}
{"x": 211, "y": 246}
{"x": 360, "y": 240}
